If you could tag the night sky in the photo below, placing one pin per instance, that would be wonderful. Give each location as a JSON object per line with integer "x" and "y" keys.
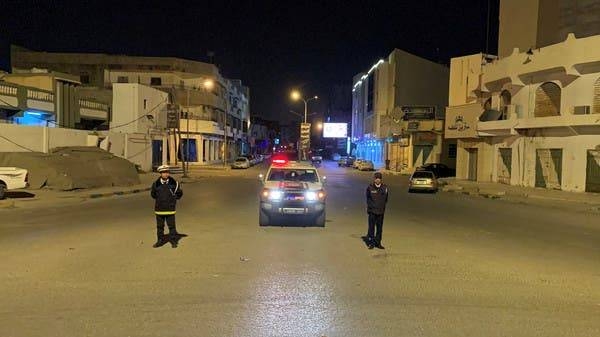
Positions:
{"x": 270, "y": 46}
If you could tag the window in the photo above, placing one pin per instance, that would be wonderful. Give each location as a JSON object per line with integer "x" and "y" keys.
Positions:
{"x": 145, "y": 104}
{"x": 123, "y": 79}
{"x": 84, "y": 78}
{"x": 293, "y": 175}
{"x": 155, "y": 81}
{"x": 452, "y": 151}
{"x": 547, "y": 100}
{"x": 505, "y": 101}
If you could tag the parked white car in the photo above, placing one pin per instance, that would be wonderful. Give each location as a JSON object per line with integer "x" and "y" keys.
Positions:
{"x": 241, "y": 163}
{"x": 12, "y": 178}
{"x": 366, "y": 165}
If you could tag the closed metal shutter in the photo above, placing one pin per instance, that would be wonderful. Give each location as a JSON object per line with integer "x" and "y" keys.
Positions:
{"x": 548, "y": 168}
{"x": 592, "y": 177}
{"x": 420, "y": 154}
{"x": 547, "y": 100}
{"x": 504, "y": 165}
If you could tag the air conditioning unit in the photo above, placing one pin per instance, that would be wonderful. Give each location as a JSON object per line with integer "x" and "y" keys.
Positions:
{"x": 581, "y": 110}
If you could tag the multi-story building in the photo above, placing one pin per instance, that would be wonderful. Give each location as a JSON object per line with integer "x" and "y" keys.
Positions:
{"x": 262, "y": 135}
{"x": 205, "y": 100}
{"x": 48, "y": 98}
{"x": 533, "y": 24}
{"x": 398, "y": 110}
{"x": 531, "y": 118}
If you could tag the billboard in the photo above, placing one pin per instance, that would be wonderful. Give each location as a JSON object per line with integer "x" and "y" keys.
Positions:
{"x": 335, "y": 130}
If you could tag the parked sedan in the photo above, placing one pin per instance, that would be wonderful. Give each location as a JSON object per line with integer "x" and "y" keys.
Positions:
{"x": 356, "y": 163}
{"x": 345, "y": 161}
{"x": 440, "y": 170}
{"x": 422, "y": 181}
{"x": 241, "y": 163}
{"x": 366, "y": 165}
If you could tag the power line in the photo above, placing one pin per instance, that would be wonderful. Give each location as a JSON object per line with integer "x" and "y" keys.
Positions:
{"x": 16, "y": 144}
{"x": 110, "y": 128}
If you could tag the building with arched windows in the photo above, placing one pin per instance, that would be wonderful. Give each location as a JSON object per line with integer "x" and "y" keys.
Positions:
{"x": 531, "y": 118}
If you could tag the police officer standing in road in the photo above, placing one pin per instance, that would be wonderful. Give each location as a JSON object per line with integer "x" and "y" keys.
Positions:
{"x": 377, "y": 197}
{"x": 165, "y": 191}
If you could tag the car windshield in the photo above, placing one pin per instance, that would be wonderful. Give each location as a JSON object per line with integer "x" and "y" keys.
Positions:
{"x": 241, "y": 159}
{"x": 309, "y": 176}
{"x": 422, "y": 174}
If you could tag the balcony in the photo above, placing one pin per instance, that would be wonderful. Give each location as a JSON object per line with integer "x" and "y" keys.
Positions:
{"x": 566, "y": 121}
{"x": 563, "y": 61}
{"x": 195, "y": 97}
{"x": 93, "y": 110}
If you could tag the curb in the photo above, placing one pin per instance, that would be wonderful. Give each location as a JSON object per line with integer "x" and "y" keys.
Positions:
{"x": 110, "y": 194}
{"x": 507, "y": 194}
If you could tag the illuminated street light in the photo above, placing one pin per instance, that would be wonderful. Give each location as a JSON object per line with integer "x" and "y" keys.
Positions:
{"x": 297, "y": 96}
{"x": 209, "y": 84}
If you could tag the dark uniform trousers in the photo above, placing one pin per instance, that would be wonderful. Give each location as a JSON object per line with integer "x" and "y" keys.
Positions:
{"x": 160, "y": 225}
{"x": 375, "y": 228}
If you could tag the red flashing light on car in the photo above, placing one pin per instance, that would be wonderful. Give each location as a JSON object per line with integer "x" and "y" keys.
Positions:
{"x": 279, "y": 161}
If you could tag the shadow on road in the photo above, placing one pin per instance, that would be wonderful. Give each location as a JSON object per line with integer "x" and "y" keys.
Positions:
{"x": 19, "y": 195}
{"x": 173, "y": 240}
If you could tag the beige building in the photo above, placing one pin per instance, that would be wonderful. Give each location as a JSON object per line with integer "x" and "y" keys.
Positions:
{"x": 398, "y": 111}
{"x": 534, "y": 24}
{"x": 210, "y": 106}
{"x": 39, "y": 97}
{"x": 529, "y": 118}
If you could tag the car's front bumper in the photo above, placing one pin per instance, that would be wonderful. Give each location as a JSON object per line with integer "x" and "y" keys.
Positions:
{"x": 286, "y": 208}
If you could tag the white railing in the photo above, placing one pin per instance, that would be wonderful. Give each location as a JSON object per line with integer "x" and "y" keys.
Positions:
{"x": 8, "y": 90}
{"x": 40, "y": 95}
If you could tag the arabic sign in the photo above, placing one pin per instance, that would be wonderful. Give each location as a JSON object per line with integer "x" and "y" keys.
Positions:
{"x": 461, "y": 121}
{"x": 172, "y": 116}
{"x": 418, "y": 112}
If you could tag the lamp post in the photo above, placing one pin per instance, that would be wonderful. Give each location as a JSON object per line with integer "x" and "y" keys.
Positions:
{"x": 296, "y": 96}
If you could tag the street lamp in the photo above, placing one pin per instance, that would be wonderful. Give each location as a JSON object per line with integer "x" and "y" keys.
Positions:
{"x": 297, "y": 96}
{"x": 208, "y": 84}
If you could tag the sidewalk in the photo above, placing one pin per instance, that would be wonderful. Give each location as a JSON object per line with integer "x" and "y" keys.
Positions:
{"x": 497, "y": 191}
{"x": 45, "y": 197}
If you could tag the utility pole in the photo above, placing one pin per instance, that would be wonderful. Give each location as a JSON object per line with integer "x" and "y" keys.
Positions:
{"x": 185, "y": 160}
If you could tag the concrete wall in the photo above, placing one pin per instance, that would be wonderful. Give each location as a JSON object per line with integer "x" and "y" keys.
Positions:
{"x": 42, "y": 81}
{"x": 518, "y": 25}
{"x": 418, "y": 81}
{"x": 132, "y": 101}
{"x": 464, "y": 78}
{"x": 136, "y": 147}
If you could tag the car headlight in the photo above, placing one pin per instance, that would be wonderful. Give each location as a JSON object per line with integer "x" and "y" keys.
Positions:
{"x": 311, "y": 196}
{"x": 275, "y": 195}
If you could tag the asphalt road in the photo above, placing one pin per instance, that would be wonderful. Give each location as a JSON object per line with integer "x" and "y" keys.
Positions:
{"x": 454, "y": 265}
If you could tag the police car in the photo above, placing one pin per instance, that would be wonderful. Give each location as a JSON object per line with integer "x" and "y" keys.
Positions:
{"x": 292, "y": 190}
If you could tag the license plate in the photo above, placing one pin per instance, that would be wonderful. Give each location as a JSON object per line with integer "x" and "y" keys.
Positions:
{"x": 295, "y": 198}
{"x": 293, "y": 210}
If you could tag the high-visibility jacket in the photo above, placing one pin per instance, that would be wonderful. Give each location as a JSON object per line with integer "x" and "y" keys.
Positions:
{"x": 165, "y": 196}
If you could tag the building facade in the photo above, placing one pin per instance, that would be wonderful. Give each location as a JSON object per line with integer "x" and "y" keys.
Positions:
{"x": 530, "y": 118}
{"x": 39, "y": 97}
{"x": 398, "y": 112}
{"x": 534, "y": 24}
{"x": 213, "y": 112}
